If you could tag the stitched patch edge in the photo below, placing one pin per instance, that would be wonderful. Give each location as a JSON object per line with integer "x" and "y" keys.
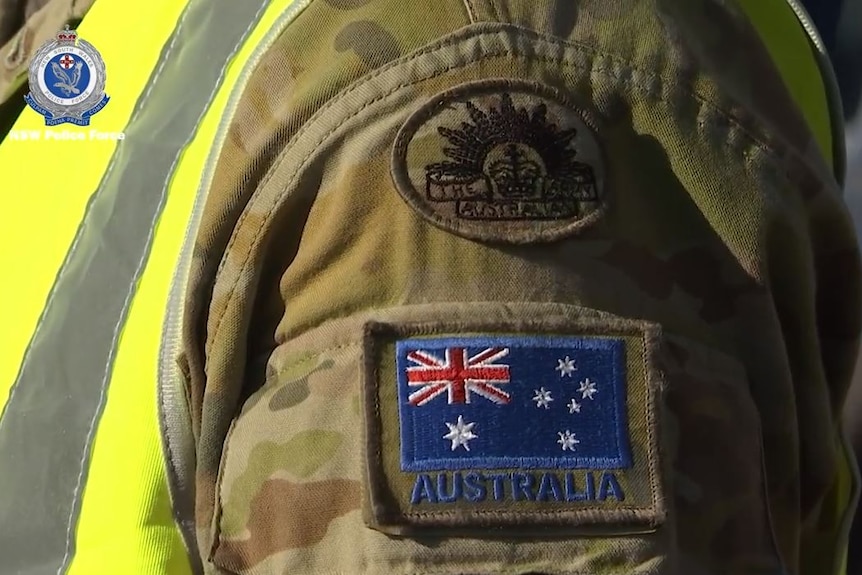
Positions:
{"x": 381, "y": 509}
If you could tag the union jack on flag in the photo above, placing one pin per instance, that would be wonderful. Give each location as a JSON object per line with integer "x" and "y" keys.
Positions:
{"x": 459, "y": 374}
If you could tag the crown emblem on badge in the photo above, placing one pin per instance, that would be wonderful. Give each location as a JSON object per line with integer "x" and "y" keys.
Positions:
{"x": 67, "y": 80}
{"x": 67, "y": 36}
{"x": 512, "y": 154}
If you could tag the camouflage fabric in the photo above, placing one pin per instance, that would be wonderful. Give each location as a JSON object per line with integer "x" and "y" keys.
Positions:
{"x": 714, "y": 219}
{"x": 24, "y": 27}
{"x": 13, "y": 13}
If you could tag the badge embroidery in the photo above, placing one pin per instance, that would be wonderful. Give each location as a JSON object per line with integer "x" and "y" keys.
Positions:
{"x": 504, "y": 429}
{"x": 67, "y": 81}
{"x": 501, "y": 161}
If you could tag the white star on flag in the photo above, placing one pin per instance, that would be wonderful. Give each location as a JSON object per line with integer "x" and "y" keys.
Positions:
{"x": 587, "y": 389}
{"x": 542, "y": 398}
{"x": 574, "y": 406}
{"x": 567, "y": 440}
{"x": 460, "y": 433}
{"x": 566, "y": 366}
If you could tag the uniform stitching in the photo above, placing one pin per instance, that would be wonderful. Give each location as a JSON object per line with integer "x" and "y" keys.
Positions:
{"x": 620, "y": 328}
{"x": 150, "y": 234}
{"x": 163, "y": 428}
{"x": 172, "y": 470}
{"x": 493, "y": 9}
{"x": 374, "y": 488}
{"x": 648, "y": 344}
{"x": 471, "y": 12}
{"x": 218, "y": 512}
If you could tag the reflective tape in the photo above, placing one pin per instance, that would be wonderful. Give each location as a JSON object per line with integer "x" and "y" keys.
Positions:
{"x": 53, "y": 410}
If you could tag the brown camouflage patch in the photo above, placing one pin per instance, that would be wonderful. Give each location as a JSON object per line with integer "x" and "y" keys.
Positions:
{"x": 718, "y": 466}
{"x": 370, "y": 41}
{"x": 293, "y": 394}
{"x": 697, "y": 271}
{"x": 293, "y": 507}
{"x": 646, "y": 270}
{"x": 501, "y": 160}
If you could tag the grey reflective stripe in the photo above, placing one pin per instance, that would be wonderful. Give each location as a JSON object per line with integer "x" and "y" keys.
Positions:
{"x": 49, "y": 422}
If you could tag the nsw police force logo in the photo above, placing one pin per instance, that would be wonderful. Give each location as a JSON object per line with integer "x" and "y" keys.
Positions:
{"x": 67, "y": 81}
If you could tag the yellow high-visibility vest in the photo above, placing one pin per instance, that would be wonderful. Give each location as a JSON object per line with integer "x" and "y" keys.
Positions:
{"x": 90, "y": 237}
{"x": 91, "y": 230}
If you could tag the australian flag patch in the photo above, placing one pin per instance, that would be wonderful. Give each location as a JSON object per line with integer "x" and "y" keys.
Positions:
{"x": 512, "y": 402}
{"x": 488, "y": 428}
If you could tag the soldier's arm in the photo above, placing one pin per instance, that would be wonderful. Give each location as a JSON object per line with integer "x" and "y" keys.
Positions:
{"x": 507, "y": 287}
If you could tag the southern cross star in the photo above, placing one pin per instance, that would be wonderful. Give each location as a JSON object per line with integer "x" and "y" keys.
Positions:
{"x": 460, "y": 433}
{"x": 566, "y": 366}
{"x": 574, "y": 406}
{"x": 587, "y": 389}
{"x": 567, "y": 440}
{"x": 542, "y": 398}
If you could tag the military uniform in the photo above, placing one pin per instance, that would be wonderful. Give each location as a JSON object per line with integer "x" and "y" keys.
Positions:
{"x": 495, "y": 175}
{"x": 492, "y": 286}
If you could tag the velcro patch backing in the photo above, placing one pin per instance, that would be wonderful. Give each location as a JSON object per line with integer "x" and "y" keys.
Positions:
{"x": 476, "y": 426}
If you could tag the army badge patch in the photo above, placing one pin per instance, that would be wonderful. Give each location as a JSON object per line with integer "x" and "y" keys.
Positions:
{"x": 67, "y": 81}
{"x": 501, "y": 429}
{"x": 501, "y": 160}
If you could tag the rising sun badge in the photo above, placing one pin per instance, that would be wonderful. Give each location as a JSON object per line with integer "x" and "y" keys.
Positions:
{"x": 501, "y": 161}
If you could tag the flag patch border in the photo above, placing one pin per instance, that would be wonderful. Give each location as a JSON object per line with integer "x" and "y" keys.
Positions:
{"x": 387, "y": 502}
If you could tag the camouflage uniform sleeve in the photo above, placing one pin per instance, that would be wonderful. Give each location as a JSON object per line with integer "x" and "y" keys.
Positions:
{"x": 509, "y": 287}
